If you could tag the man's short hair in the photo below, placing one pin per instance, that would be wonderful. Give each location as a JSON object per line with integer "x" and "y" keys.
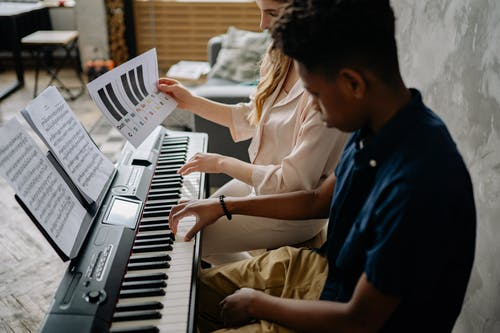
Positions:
{"x": 326, "y": 35}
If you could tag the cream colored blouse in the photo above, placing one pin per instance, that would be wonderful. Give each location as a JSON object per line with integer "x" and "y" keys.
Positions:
{"x": 291, "y": 147}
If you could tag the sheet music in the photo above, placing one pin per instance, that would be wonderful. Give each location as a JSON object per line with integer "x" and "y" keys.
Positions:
{"x": 39, "y": 186}
{"x": 51, "y": 117}
{"x": 129, "y": 98}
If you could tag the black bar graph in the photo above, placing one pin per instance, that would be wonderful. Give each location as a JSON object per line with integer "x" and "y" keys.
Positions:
{"x": 108, "y": 104}
{"x": 140, "y": 77}
{"x": 135, "y": 88}
{"x": 115, "y": 100}
{"x": 126, "y": 86}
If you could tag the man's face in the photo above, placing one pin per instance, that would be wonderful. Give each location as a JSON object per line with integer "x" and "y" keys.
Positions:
{"x": 334, "y": 99}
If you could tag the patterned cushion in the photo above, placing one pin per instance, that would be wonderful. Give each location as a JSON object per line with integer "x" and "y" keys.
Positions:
{"x": 240, "y": 56}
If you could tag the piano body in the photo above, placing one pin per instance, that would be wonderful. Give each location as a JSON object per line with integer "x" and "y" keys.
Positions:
{"x": 131, "y": 275}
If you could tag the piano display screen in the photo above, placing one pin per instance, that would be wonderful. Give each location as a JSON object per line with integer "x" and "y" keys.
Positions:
{"x": 124, "y": 212}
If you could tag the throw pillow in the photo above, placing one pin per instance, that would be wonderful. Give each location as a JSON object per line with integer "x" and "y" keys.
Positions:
{"x": 240, "y": 56}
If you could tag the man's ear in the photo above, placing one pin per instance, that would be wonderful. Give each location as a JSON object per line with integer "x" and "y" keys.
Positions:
{"x": 353, "y": 82}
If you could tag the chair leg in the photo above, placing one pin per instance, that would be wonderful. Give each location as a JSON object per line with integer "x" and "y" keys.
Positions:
{"x": 37, "y": 54}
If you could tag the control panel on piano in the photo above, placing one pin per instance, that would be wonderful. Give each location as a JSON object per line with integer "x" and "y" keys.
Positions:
{"x": 133, "y": 275}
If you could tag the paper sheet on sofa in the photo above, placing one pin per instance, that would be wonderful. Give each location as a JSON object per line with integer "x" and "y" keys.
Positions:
{"x": 129, "y": 98}
{"x": 52, "y": 119}
{"x": 39, "y": 185}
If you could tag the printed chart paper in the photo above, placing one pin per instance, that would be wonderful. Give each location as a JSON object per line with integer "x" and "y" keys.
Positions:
{"x": 39, "y": 186}
{"x": 52, "y": 119}
{"x": 129, "y": 98}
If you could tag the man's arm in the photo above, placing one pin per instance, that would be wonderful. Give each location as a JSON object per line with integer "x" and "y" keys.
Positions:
{"x": 366, "y": 312}
{"x": 298, "y": 205}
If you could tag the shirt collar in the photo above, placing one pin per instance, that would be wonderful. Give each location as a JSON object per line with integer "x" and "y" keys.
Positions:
{"x": 373, "y": 149}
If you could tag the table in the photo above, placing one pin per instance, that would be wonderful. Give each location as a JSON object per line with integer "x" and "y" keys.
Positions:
{"x": 16, "y": 21}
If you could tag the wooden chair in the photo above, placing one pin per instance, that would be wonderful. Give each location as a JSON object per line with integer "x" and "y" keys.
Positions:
{"x": 43, "y": 43}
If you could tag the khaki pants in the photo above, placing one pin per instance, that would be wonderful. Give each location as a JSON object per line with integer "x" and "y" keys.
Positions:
{"x": 225, "y": 241}
{"x": 286, "y": 272}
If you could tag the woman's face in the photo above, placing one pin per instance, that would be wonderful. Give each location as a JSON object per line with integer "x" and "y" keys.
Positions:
{"x": 270, "y": 10}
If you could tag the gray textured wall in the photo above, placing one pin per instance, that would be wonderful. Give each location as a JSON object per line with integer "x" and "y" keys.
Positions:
{"x": 91, "y": 23}
{"x": 450, "y": 50}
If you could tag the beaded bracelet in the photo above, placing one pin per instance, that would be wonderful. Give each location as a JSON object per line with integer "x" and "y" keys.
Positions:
{"x": 224, "y": 208}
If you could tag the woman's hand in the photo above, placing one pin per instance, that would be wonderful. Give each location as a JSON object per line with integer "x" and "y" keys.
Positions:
{"x": 206, "y": 211}
{"x": 236, "y": 308}
{"x": 203, "y": 162}
{"x": 183, "y": 97}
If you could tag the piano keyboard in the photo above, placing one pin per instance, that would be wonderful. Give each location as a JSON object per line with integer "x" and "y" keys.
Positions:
{"x": 155, "y": 296}
{"x": 150, "y": 285}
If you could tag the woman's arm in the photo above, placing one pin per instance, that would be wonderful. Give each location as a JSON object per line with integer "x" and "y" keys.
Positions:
{"x": 300, "y": 205}
{"x": 215, "y": 163}
{"x": 216, "y": 112}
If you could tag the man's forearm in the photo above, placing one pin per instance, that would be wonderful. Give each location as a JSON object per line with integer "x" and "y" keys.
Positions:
{"x": 299, "y": 205}
{"x": 302, "y": 315}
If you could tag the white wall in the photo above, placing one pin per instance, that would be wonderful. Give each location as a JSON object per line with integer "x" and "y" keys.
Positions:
{"x": 92, "y": 25}
{"x": 450, "y": 50}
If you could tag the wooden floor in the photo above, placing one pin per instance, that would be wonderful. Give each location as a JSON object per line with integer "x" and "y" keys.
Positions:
{"x": 30, "y": 270}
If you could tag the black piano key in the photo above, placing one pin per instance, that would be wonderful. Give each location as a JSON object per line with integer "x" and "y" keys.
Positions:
{"x": 152, "y": 227}
{"x": 155, "y": 202}
{"x": 165, "y": 204}
{"x": 170, "y": 139}
{"x": 157, "y": 178}
{"x": 139, "y": 306}
{"x": 134, "y": 293}
{"x": 144, "y": 284}
{"x": 151, "y": 248}
{"x": 150, "y": 258}
{"x": 160, "y": 219}
{"x": 161, "y": 172}
{"x": 156, "y": 213}
{"x": 140, "y": 266}
{"x": 157, "y": 205}
{"x": 154, "y": 241}
{"x": 169, "y": 166}
{"x": 173, "y": 184}
{"x": 166, "y": 190}
{"x": 162, "y": 234}
{"x": 144, "y": 276}
{"x": 163, "y": 196}
{"x": 155, "y": 220}
{"x": 136, "y": 315}
{"x": 138, "y": 329}
{"x": 171, "y": 161}
{"x": 167, "y": 157}
{"x": 173, "y": 150}
{"x": 175, "y": 143}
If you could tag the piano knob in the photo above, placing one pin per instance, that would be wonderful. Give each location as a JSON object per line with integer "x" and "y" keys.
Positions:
{"x": 95, "y": 296}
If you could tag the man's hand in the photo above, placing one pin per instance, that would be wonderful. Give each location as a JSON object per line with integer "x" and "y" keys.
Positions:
{"x": 236, "y": 308}
{"x": 202, "y": 162}
{"x": 207, "y": 211}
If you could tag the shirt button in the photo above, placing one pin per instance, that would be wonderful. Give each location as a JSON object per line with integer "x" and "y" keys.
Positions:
{"x": 373, "y": 163}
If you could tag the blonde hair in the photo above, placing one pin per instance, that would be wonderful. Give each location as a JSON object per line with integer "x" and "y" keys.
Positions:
{"x": 275, "y": 65}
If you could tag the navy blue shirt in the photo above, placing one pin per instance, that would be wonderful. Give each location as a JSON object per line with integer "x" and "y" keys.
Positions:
{"x": 403, "y": 213}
